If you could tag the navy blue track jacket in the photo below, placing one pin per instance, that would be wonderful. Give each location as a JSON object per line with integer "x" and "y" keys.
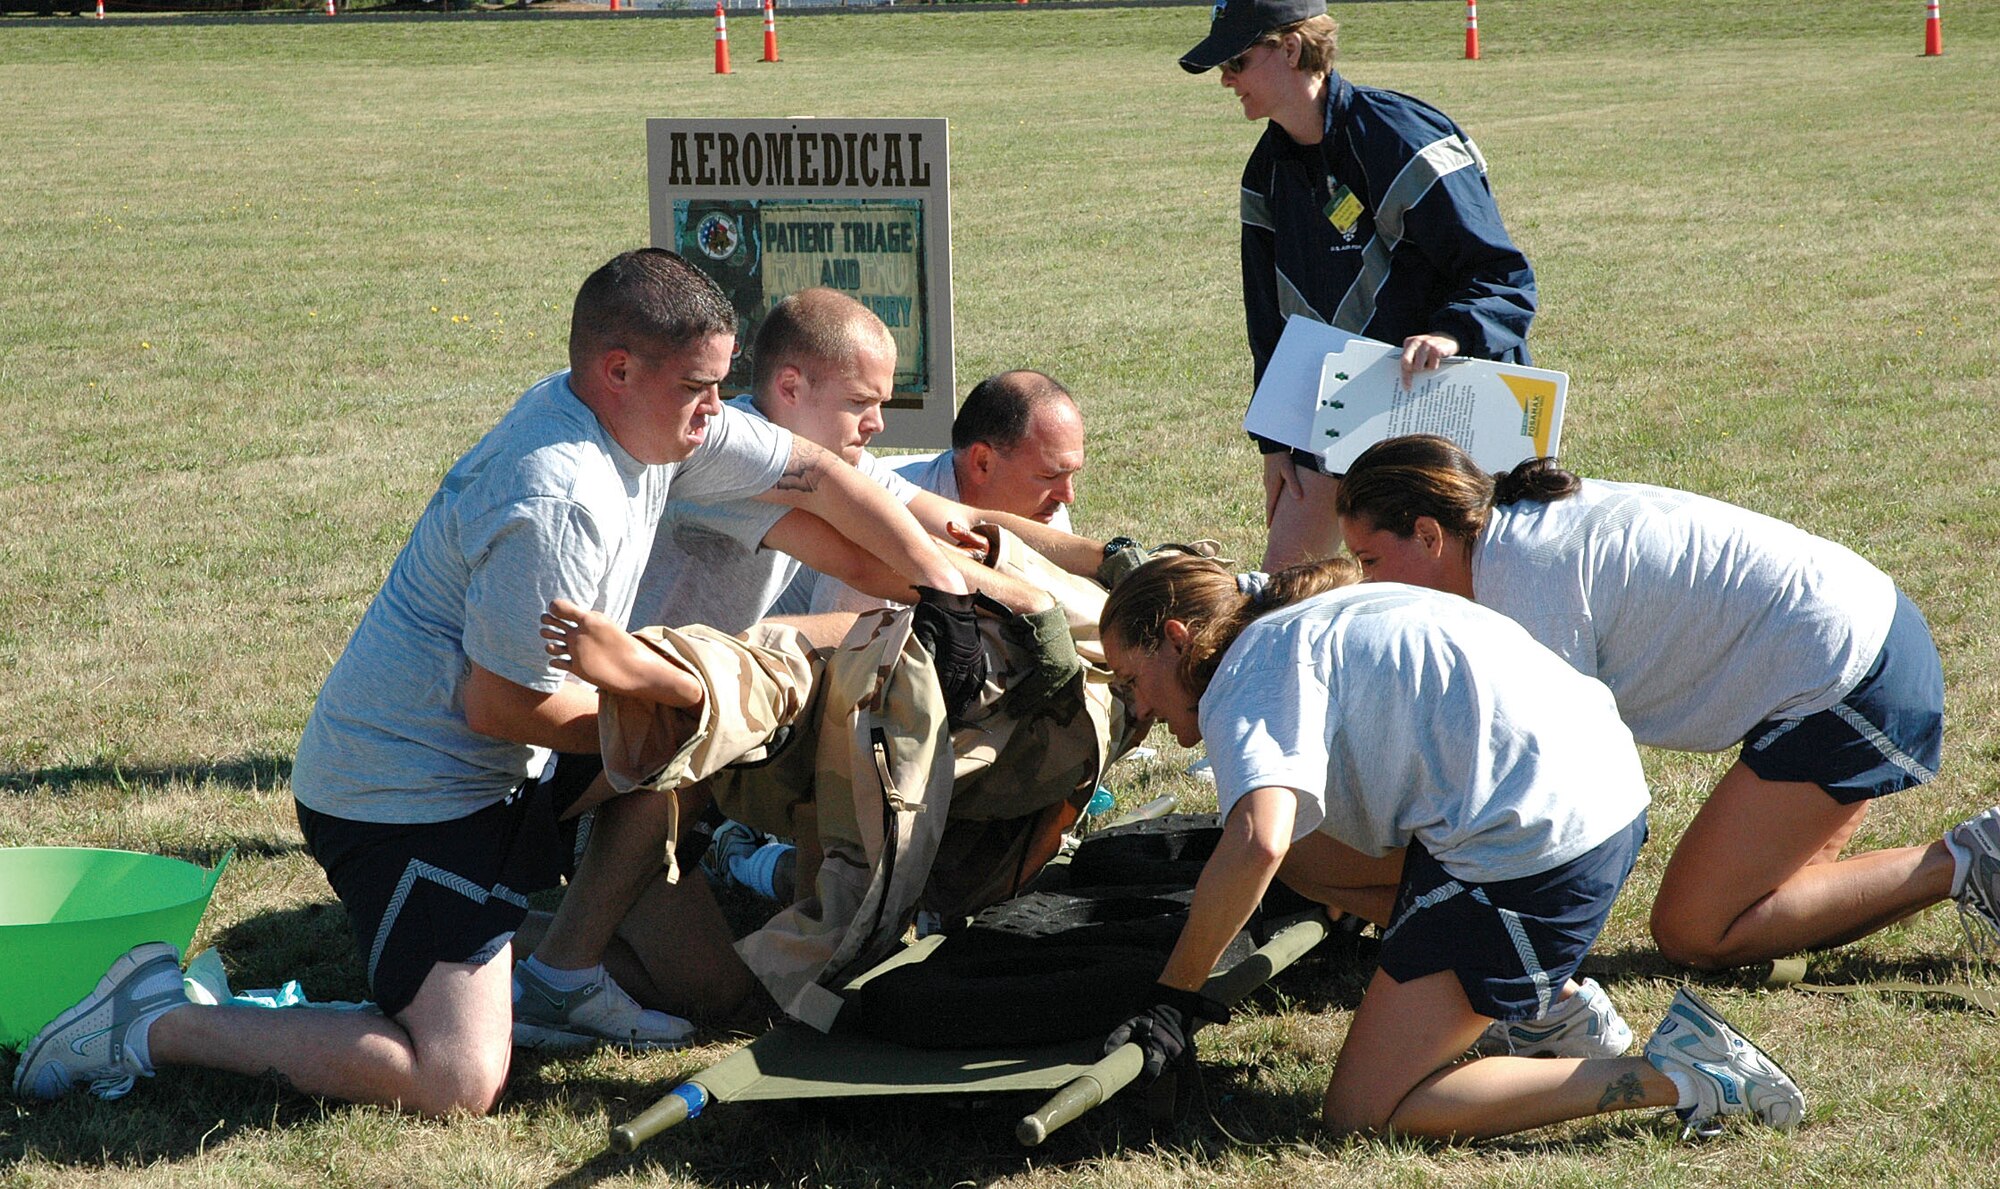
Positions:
{"x": 1420, "y": 249}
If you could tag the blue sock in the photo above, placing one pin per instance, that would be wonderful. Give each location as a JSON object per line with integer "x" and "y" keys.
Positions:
{"x": 754, "y": 870}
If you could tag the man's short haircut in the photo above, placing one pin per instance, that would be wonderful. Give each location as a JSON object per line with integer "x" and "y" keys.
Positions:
{"x": 823, "y": 325}
{"x": 999, "y": 409}
{"x": 650, "y": 302}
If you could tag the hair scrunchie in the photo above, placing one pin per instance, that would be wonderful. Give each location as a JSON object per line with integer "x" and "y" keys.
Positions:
{"x": 1253, "y": 583}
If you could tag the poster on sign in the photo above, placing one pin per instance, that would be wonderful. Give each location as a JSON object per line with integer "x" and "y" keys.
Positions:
{"x": 768, "y": 207}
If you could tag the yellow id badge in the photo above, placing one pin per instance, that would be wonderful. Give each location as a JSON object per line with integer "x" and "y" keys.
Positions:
{"x": 1343, "y": 210}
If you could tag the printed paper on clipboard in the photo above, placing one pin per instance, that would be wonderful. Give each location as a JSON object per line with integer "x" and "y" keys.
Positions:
{"x": 1335, "y": 394}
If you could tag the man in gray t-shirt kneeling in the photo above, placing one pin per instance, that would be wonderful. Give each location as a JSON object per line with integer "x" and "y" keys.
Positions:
{"x": 416, "y": 777}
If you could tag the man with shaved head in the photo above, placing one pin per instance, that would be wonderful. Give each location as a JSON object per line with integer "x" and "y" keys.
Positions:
{"x": 1016, "y": 446}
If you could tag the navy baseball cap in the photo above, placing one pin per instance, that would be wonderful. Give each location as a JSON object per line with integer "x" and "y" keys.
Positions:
{"x": 1237, "y": 24}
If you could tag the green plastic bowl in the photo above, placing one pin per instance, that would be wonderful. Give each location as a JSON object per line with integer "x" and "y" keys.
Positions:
{"x": 67, "y": 912}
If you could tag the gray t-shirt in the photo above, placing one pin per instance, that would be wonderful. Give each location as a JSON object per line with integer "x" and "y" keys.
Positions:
{"x": 938, "y": 474}
{"x": 1396, "y": 713}
{"x": 709, "y": 564}
{"x": 545, "y": 505}
{"x": 1704, "y": 618}
{"x": 814, "y": 592}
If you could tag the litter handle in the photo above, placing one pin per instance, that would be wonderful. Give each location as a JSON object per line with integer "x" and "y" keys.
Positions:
{"x": 1086, "y": 1090}
{"x": 677, "y": 1106}
{"x": 1159, "y": 806}
{"x": 1118, "y": 1070}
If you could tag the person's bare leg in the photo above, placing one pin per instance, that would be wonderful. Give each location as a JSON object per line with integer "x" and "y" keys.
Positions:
{"x": 1399, "y": 1071}
{"x": 681, "y": 940}
{"x": 1758, "y": 876}
{"x": 621, "y": 959}
{"x": 628, "y": 845}
{"x": 1303, "y": 527}
{"x": 596, "y": 648}
{"x": 448, "y": 1051}
{"x": 1345, "y": 880}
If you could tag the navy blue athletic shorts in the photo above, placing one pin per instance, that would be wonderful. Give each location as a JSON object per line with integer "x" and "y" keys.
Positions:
{"x": 1512, "y": 943}
{"x": 422, "y": 893}
{"x": 1885, "y": 736}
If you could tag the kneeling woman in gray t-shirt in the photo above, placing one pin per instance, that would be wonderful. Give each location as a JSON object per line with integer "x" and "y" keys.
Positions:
{"x": 1713, "y": 626}
{"x": 1421, "y": 762}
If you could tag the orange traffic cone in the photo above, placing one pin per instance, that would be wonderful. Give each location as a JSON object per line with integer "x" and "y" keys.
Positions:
{"x": 614, "y": 5}
{"x": 1471, "y": 29}
{"x": 1933, "y": 30}
{"x": 329, "y": 8}
{"x": 100, "y": 9}
{"x": 770, "y": 31}
{"x": 721, "y": 40}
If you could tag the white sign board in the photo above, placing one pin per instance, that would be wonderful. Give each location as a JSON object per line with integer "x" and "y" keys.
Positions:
{"x": 769, "y": 207}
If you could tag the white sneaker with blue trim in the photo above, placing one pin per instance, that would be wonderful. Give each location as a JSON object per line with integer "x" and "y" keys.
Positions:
{"x": 88, "y": 1043}
{"x": 1584, "y": 1025}
{"x": 1723, "y": 1072}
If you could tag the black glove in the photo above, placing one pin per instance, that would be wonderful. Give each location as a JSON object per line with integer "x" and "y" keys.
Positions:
{"x": 1044, "y": 637}
{"x": 1122, "y": 555}
{"x": 949, "y": 630}
{"x": 1166, "y": 1030}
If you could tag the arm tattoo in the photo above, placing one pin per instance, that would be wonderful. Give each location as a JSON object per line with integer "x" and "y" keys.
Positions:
{"x": 1623, "y": 1092}
{"x": 803, "y": 470}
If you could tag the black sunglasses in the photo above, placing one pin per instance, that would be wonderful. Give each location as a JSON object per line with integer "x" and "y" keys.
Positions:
{"x": 1236, "y": 65}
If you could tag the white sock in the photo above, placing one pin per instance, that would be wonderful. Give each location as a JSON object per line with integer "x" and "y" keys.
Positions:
{"x": 139, "y": 1041}
{"x": 1961, "y": 864}
{"x": 1684, "y": 1086}
{"x": 563, "y": 980}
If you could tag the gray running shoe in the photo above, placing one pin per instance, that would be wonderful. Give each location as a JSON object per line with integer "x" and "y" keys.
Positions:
{"x": 547, "y": 1018}
{"x": 1584, "y": 1025}
{"x": 87, "y": 1042}
{"x": 731, "y": 840}
{"x": 1979, "y": 899}
{"x": 1730, "y": 1076}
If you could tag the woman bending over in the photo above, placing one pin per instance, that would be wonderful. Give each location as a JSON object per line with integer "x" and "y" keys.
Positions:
{"x": 1420, "y": 761}
{"x": 1713, "y": 626}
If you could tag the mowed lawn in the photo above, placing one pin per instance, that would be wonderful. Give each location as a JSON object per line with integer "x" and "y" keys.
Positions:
{"x": 261, "y": 282}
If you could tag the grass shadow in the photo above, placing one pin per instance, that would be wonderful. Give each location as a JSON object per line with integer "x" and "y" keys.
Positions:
{"x": 839, "y": 1142}
{"x": 311, "y": 943}
{"x": 249, "y": 773}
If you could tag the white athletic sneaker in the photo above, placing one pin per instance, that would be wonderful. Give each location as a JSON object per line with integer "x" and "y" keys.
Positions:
{"x": 87, "y": 1043}
{"x": 1725, "y": 1072}
{"x": 1979, "y": 898}
{"x": 1583, "y": 1025}
{"x": 601, "y": 1011}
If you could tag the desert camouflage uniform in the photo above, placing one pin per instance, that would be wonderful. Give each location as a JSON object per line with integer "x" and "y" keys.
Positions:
{"x": 909, "y": 811}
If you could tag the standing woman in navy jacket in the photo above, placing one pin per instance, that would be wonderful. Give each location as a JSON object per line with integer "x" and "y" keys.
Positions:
{"x": 1364, "y": 209}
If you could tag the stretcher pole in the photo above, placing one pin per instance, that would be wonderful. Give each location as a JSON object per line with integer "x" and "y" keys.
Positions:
{"x": 1123, "y": 1065}
{"x": 718, "y": 1083}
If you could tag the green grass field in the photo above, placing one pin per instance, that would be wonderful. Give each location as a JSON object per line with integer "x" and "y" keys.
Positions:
{"x": 263, "y": 282}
